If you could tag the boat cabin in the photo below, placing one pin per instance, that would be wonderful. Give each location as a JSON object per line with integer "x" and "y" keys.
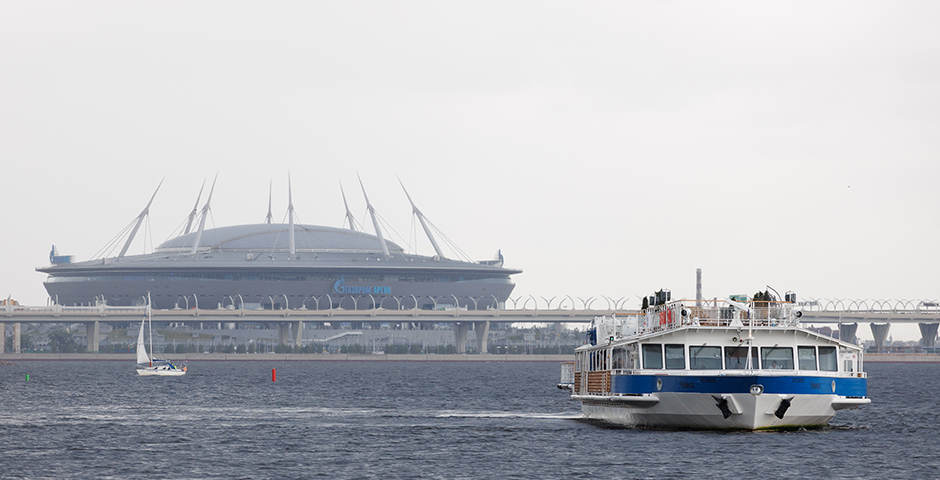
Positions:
{"x": 674, "y": 339}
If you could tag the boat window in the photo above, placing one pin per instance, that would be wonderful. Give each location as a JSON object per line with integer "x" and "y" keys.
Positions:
{"x": 828, "y": 361}
{"x": 807, "y": 357}
{"x": 705, "y": 358}
{"x": 776, "y": 358}
{"x": 652, "y": 356}
{"x": 598, "y": 360}
{"x": 619, "y": 358}
{"x": 675, "y": 357}
{"x": 736, "y": 358}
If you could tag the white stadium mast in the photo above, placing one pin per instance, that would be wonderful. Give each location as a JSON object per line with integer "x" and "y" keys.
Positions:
{"x": 192, "y": 215}
{"x": 290, "y": 217}
{"x": 349, "y": 215}
{"x": 204, "y": 214}
{"x": 270, "y": 217}
{"x": 424, "y": 225}
{"x": 140, "y": 219}
{"x": 375, "y": 221}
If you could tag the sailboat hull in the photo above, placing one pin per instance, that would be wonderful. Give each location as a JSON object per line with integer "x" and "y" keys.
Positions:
{"x": 160, "y": 371}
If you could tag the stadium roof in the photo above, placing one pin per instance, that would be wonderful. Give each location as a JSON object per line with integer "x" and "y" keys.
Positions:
{"x": 276, "y": 237}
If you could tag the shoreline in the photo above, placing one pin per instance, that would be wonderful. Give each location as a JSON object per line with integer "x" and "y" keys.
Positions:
{"x": 286, "y": 357}
{"x": 359, "y": 357}
{"x": 902, "y": 358}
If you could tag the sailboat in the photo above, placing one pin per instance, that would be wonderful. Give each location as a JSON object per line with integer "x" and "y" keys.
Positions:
{"x": 146, "y": 364}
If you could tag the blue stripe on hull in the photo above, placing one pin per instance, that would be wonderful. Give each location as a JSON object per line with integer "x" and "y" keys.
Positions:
{"x": 787, "y": 384}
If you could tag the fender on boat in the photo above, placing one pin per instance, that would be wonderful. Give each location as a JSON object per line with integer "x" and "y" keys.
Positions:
{"x": 632, "y": 400}
{"x": 842, "y": 403}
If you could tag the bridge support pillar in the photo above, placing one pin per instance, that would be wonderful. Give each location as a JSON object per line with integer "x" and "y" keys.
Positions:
{"x": 482, "y": 331}
{"x": 928, "y": 334}
{"x": 283, "y": 333}
{"x": 298, "y": 334}
{"x": 91, "y": 332}
{"x": 880, "y": 331}
{"x": 3, "y": 337}
{"x": 847, "y": 332}
{"x": 460, "y": 334}
{"x": 17, "y": 333}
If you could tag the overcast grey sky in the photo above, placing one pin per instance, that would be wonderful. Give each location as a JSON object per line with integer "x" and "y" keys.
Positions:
{"x": 608, "y": 148}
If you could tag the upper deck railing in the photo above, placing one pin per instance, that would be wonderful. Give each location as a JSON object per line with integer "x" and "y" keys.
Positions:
{"x": 679, "y": 313}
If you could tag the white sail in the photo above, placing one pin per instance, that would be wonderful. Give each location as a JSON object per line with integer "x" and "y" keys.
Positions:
{"x": 142, "y": 357}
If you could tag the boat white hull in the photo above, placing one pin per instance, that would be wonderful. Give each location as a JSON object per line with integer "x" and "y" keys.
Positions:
{"x": 161, "y": 372}
{"x": 701, "y": 410}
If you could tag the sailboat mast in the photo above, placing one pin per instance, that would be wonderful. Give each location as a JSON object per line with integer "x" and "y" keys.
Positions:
{"x": 150, "y": 326}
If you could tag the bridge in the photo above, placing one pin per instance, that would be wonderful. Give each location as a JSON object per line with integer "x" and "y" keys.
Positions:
{"x": 880, "y": 314}
{"x": 290, "y": 322}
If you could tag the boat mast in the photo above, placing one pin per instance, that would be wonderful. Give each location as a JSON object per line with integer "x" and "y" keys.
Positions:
{"x": 150, "y": 327}
{"x": 140, "y": 219}
{"x": 424, "y": 225}
{"x": 204, "y": 214}
{"x": 270, "y": 217}
{"x": 349, "y": 215}
{"x": 375, "y": 221}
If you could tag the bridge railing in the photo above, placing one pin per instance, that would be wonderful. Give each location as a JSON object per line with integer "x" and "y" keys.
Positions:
{"x": 521, "y": 309}
{"x": 451, "y": 306}
{"x": 441, "y": 303}
{"x": 903, "y": 306}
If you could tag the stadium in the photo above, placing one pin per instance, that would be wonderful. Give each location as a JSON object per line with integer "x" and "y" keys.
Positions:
{"x": 276, "y": 266}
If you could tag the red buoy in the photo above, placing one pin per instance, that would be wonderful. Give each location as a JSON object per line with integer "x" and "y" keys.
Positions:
{"x": 273, "y": 375}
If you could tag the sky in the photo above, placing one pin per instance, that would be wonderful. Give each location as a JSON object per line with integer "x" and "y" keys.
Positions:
{"x": 607, "y": 149}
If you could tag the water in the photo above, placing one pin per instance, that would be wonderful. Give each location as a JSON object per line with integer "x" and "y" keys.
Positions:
{"x": 416, "y": 420}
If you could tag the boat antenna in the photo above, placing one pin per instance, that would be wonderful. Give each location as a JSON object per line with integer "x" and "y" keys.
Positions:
{"x": 349, "y": 215}
{"x": 270, "y": 217}
{"x": 204, "y": 214}
{"x": 290, "y": 216}
{"x": 192, "y": 215}
{"x": 375, "y": 221}
{"x": 424, "y": 225}
{"x": 140, "y": 219}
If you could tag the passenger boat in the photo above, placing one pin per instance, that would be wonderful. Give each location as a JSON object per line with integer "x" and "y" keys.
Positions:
{"x": 734, "y": 364}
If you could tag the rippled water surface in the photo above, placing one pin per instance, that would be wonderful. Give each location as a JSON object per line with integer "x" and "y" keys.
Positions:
{"x": 416, "y": 420}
